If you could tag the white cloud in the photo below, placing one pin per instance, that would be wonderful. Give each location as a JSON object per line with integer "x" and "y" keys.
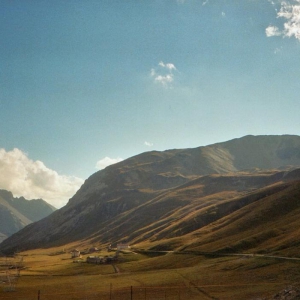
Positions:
{"x": 148, "y": 144}
{"x": 272, "y": 31}
{"x": 163, "y": 74}
{"x": 168, "y": 66}
{"x": 290, "y": 11}
{"x": 32, "y": 179}
{"x": 107, "y": 161}
{"x": 164, "y": 80}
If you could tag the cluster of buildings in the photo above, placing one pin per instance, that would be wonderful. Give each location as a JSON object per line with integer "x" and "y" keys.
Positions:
{"x": 78, "y": 254}
{"x": 75, "y": 254}
{"x": 101, "y": 260}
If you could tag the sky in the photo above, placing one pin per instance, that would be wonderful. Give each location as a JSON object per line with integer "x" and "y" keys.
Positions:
{"x": 84, "y": 84}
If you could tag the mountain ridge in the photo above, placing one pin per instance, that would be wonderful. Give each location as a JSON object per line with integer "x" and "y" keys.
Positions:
{"x": 16, "y": 213}
{"x": 139, "y": 199}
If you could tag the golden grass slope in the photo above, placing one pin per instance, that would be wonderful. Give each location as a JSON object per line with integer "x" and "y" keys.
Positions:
{"x": 52, "y": 274}
{"x": 232, "y": 212}
{"x": 156, "y": 197}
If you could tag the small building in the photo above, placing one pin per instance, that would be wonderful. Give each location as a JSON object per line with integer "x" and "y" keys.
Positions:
{"x": 110, "y": 259}
{"x": 123, "y": 246}
{"x": 75, "y": 253}
{"x": 100, "y": 260}
{"x": 93, "y": 249}
{"x": 94, "y": 260}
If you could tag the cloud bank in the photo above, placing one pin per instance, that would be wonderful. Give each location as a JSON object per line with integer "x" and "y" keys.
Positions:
{"x": 290, "y": 11}
{"x": 163, "y": 74}
{"x": 32, "y": 179}
{"x": 107, "y": 161}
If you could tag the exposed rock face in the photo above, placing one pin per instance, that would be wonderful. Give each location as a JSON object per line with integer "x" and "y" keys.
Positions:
{"x": 140, "y": 197}
{"x": 16, "y": 213}
{"x": 289, "y": 293}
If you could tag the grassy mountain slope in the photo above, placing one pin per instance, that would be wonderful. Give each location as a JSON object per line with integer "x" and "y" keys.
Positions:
{"x": 172, "y": 199}
{"x": 269, "y": 224}
{"x": 263, "y": 221}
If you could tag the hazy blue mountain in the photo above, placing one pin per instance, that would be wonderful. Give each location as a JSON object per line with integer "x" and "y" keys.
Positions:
{"x": 16, "y": 213}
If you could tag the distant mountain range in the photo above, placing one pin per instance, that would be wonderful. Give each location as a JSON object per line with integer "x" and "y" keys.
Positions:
{"x": 16, "y": 213}
{"x": 232, "y": 196}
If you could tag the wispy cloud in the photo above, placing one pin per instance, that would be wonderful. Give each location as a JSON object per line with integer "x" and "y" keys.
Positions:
{"x": 290, "y": 11}
{"x": 148, "y": 144}
{"x": 272, "y": 31}
{"x": 107, "y": 161}
{"x": 168, "y": 66}
{"x": 32, "y": 179}
{"x": 164, "y": 80}
{"x": 272, "y": 2}
{"x": 163, "y": 74}
{"x": 277, "y": 50}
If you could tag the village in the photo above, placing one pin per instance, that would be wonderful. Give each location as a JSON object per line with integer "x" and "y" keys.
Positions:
{"x": 77, "y": 255}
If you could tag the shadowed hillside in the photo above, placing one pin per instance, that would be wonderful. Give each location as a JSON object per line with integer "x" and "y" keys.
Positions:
{"x": 175, "y": 198}
{"x": 16, "y": 213}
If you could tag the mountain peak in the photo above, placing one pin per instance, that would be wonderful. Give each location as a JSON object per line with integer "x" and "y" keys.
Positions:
{"x": 18, "y": 212}
{"x": 137, "y": 197}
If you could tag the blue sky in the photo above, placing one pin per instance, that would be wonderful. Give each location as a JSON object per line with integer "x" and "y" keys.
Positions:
{"x": 87, "y": 83}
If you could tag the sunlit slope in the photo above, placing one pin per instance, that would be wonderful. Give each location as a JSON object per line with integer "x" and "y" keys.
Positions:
{"x": 161, "y": 198}
{"x": 270, "y": 223}
{"x": 194, "y": 216}
{"x": 186, "y": 208}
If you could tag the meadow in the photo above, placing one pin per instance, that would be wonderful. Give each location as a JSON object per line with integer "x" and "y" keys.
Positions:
{"x": 52, "y": 274}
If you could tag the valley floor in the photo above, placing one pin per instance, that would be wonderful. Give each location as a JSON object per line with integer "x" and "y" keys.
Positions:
{"x": 52, "y": 274}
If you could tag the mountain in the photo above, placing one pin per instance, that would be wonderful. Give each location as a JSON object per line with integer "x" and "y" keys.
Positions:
{"x": 16, "y": 213}
{"x": 196, "y": 199}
